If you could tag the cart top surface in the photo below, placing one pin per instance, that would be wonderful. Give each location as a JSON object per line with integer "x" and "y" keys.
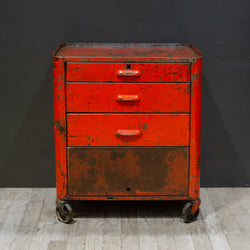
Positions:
{"x": 127, "y": 50}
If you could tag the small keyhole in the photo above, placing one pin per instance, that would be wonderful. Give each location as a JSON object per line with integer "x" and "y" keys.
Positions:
{"x": 128, "y": 189}
{"x": 128, "y": 66}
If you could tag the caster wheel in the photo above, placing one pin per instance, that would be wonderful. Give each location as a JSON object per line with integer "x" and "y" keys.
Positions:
{"x": 64, "y": 212}
{"x": 187, "y": 214}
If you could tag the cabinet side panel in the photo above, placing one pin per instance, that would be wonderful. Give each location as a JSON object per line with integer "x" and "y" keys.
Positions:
{"x": 195, "y": 127}
{"x": 60, "y": 127}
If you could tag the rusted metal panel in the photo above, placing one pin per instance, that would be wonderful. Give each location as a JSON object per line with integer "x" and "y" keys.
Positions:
{"x": 60, "y": 127}
{"x": 131, "y": 72}
{"x": 195, "y": 128}
{"x": 128, "y": 171}
{"x": 102, "y": 129}
{"x": 123, "y": 97}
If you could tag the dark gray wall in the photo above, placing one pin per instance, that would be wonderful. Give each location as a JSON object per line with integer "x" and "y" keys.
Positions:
{"x": 30, "y": 30}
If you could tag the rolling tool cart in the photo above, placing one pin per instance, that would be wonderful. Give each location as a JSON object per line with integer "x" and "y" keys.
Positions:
{"x": 127, "y": 124}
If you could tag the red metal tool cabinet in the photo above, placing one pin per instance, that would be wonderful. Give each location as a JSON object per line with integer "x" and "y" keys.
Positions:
{"x": 127, "y": 124}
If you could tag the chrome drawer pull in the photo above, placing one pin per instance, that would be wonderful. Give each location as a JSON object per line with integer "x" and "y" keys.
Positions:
{"x": 128, "y": 72}
{"x": 128, "y": 132}
{"x": 128, "y": 98}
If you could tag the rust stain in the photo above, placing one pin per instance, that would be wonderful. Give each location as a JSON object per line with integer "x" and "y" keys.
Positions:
{"x": 60, "y": 128}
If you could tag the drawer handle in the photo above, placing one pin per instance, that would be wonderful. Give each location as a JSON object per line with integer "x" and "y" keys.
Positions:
{"x": 128, "y": 132}
{"x": 128, "y": 72}
{"x": 128, "y": 98}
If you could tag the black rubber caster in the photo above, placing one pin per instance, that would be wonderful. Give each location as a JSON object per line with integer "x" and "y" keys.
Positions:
{"x": 64, "y": 212}
{"x": 187, "y": 214}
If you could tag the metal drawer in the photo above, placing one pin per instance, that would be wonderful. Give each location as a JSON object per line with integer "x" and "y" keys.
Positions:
{"x": 128, "y": 129}
{"x": 126, "y": 97}
{"x": 127, "y": 72}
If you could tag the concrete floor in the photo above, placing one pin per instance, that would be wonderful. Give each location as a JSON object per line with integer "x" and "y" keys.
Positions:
{"x": 28, "y": 221}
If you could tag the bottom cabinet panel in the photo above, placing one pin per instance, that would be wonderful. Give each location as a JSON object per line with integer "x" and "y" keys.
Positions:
{"x": 128, "y": 170}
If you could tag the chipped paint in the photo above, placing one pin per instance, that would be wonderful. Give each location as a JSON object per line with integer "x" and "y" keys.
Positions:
{"x": 144, "y": 126}
{"x": 60, "y": 128}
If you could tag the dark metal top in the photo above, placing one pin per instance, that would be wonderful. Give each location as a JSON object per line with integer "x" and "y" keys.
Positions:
{"x": 127, "y": 50}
